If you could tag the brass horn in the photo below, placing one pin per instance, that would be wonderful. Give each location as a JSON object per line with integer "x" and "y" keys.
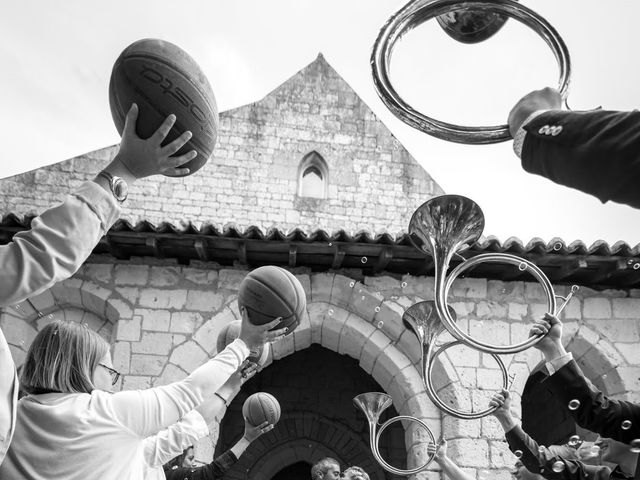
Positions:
{"x": 423, "y": 319}
{"x": 417, "y": 12}
{"x": 448, "y": 224}
{"x": 373, "y": 404}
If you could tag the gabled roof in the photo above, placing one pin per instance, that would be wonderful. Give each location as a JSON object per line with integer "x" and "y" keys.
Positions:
{"x": 597, "y": 266}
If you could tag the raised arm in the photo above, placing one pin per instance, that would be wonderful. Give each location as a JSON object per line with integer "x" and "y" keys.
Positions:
{"x": 591, "y": 409}
{"x": 451, "y": 469}
{"x": 596, "y": 151}
{"x": 536, "y": 458}
{"x": 62, "y": 238}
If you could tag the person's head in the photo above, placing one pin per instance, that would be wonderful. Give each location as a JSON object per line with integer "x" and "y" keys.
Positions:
{"x": 67, "y": 357}
{"x": 521, "y": 473}
{"x": 184, "y": 460}
{"x": 355, "y": 473}
{"x": 326, "y": 469}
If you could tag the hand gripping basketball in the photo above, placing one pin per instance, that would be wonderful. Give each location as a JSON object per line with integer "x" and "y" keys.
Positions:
{"x": 148, "y": 157}
{"x": 254, "y": 336}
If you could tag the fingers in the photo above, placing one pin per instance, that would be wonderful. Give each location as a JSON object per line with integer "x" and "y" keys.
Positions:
{"x": 276, "y": 334}
{"x": 130, "y": 121}
{"x": 177, "y": 144}
{"x": 268, "y": 428}
{"x": 272, "y": 323}
{"x": 163, "y": 130}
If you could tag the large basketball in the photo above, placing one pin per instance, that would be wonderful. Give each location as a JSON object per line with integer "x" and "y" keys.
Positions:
{"x": 230, "y": 332}
{"x": 261, "y": 407}
{"x": 270, "y": 292}
{"x": 162, "y": 79}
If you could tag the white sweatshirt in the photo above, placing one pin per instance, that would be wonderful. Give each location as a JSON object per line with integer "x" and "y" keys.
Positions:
{"x": 80, "y": 436}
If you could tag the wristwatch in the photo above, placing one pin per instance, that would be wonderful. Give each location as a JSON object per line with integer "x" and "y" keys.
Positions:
{"x": 118, "y": 186}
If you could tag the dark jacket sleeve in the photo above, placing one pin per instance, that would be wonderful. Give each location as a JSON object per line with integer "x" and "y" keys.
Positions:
{"x": 610, "y": 418}
{"x": 213, "y": 471}
{"x": 538, "y": 459}
{"x": 597, "y": 152}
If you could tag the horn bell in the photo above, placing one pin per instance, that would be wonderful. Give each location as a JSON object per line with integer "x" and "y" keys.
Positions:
{"x": 446, "y": 224}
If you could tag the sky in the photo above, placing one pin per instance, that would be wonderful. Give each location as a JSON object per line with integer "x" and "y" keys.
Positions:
{"x": 56, "y": 59}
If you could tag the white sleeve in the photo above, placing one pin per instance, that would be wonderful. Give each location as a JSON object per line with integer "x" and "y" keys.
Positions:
{"x": 173, "y": 440}
{"x": 57, "y": 243}
{"x": 144, "y": 412}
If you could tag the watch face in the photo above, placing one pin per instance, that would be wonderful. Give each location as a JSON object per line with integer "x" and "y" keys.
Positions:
{"x": 120, "y": 189}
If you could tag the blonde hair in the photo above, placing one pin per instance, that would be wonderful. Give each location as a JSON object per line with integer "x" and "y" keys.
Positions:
{"x": 62, "y": 358}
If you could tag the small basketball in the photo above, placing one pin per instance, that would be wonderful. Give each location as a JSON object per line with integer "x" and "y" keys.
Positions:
{"x": 232, "y": 331}
{"x": 261, "y": 407}
{"x": 162, "y": 79}
{"x": 270, "y": 292}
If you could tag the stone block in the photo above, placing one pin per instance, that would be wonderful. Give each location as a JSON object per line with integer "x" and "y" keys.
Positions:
{"x": 283, "y": 347}
{"x": 469, "y": 288}
{"x": 389, "y": 320}
{"x": 305, "y": 281}
{"x": 68, "y": 292}
{"x": 201, "y": 277}
{"x": 231, "y": 279}
{"x": 410, "y": 345}
{"x": 302, "y": 334}
{"x": 130, "y": 294}
{"x": 495, "y": 332}
{"x": 405, "y": 384}
{"x": 165, "y": 276}
{"x": 626, "y": 308}
{"x": 491, "y": 310}
{"x": 17, "y": 331}
{"x": 630, "y": 352}
{"x": 364, "y": 303}
{"x": 155, "y": 298}
{"x": 157, "y": 320}
{"x": 44, "y": 301}
{"x": 342, "y": 290}
{"x": 617, "y": 330}
{"x": 153, "y": 343}
{"x": 129, "y": 330}
{"x": 489, "y": 379}
{"x": 500, "y": 291}
{"x": 456, "y": 428}
{"x": 353, "y": 335}
{"x": 534, "y": 292}
{"x": 383, "y": 283}
{"x": 321, "y": 285}
{"x": 207, "y": 334}
{"x": 170, "y": 374}
{"x": 99, "y": 272}
{"x": 469, "y": 452}
{"x": 630, "y": 377}
{"x": 94, "y": 297}
{"x": 18, "y": 355}
{"x": 147, "y": 364}
{"x": 422, "y": 286}
{"x": 331, "y": 328}
{"x": 131, "y": 274}
{"x": 372, "y": 348}
{"x": 490, "y": 428}
{"x": 185, "y": 322}
{"x": 573, "y": 310}
{"x": 204, "y": 300}
{"x": 117, "y": 310}
{"x": 419, "y": 405}
{"x": 188, "y": 356}
{"x": 122, "y": 356}
{"x": 597, "y": 308}
{"x": 517, "y": 311}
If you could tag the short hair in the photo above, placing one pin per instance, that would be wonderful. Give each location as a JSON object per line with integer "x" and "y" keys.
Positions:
{"x": 322, "y": 466}
{"x": 62, "y": 358}
{"x": 358, "y": 470}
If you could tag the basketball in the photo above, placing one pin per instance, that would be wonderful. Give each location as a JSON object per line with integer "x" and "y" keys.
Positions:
{"x": 232, "y": 331}
{"x": 261, "y": 407}
{"x": 270, "y": 292}
{"x": 162, "y": 79}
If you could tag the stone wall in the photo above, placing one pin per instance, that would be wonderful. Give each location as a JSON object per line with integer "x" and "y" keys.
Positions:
{"x": 252, "y": 178}
{"x": 163, "y": 321}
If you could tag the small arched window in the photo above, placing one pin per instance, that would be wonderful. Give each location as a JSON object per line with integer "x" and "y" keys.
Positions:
{"x": 313, "y": 176}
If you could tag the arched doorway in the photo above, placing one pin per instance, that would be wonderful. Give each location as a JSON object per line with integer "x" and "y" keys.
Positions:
{"x": 315, "y": 388}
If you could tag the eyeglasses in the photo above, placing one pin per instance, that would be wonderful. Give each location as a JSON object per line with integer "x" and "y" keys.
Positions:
{"x": 115, "y": 375}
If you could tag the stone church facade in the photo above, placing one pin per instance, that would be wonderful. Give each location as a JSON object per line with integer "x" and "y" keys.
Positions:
{"x": 163, "y": 316}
